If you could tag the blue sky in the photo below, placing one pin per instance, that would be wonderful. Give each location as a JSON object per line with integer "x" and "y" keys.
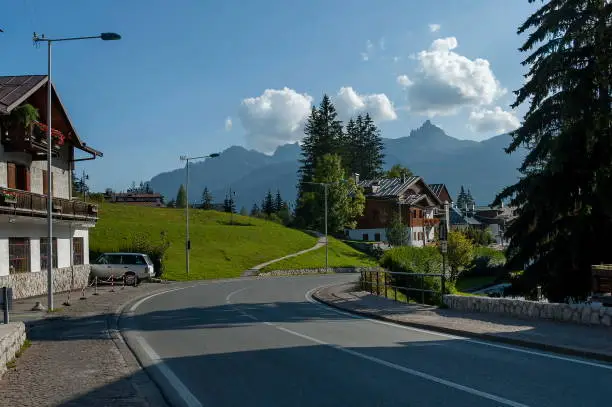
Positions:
{"x": 184, "y": 67}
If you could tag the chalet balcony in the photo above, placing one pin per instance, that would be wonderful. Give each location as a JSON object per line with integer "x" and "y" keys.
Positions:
{"x": 23, "y": 203}
{"x": 32, "y": 142}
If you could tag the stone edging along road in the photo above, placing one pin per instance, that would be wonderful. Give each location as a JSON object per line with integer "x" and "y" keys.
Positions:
{"x": 351, "y": 306}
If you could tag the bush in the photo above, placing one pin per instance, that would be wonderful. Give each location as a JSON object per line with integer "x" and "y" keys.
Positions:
{"x": 486, "y": 262}
{"x": 460, "y": 253}
{"x": 482, "y": 237}
{"x": 140, "y": 242}
{"x": 416, "y": 260}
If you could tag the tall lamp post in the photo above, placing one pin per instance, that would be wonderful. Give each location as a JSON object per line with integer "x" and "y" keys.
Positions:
{"x": 49, "y": 41}
{"x": 187, "y": 240}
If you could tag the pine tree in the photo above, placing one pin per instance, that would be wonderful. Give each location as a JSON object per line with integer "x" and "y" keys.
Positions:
{"x": 470, "y": 200}
{"x": 278, "y": 202}
{"x": 462, "y": 199}
{"x": 371, "y": 148}
{"x": 207, "y": 199}
{"x": 268, "y": 204}
{"x": 564, "y": 209}
{"x": 398, "y": 171}
{"x": 181, "y": 197}
{"x": 229, "y": 205}
{"x": 255, "y": 210}
{"x": 323, "y": 135}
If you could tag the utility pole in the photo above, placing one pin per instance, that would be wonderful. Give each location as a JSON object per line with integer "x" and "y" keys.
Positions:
{"x": 326, "y": 242}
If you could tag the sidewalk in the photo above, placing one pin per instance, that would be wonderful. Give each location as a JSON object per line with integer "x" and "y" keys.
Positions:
{"x": 572, "y": 339}
{"x": 77, "y": 357}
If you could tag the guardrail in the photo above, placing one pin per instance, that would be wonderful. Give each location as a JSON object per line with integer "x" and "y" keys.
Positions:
{"x": 29, "y": 203}
{"x": 379, "y": 282}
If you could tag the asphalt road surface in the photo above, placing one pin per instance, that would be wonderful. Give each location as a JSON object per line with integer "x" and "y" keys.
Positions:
{"x": 265, "y": 342}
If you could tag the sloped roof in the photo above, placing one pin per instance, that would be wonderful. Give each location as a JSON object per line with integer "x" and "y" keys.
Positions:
{"x": 15, "y": 89}
{"x": 436, "y": 188}
{"x": 388, "y": 187}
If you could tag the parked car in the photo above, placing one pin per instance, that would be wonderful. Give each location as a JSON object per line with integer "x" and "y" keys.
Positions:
{"x": 123, "y": 265}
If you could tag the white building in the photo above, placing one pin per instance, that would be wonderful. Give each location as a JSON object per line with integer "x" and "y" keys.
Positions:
{"x": 23, "y": 193}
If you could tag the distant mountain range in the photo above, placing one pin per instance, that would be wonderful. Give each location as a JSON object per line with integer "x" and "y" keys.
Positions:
{"x": 483, "y": 167}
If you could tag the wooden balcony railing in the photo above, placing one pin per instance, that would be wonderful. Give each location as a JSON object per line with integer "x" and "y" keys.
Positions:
{"x": 19, "y": 202}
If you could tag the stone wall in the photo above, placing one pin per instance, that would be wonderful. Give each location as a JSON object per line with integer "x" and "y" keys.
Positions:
{"x": 591, "y": 314}
{"x": 12, "y": 336}
{"x": 35, "y": 283}
{"x": 315, "y": 271}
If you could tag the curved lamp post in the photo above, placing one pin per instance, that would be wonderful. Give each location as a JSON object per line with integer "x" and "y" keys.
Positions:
{"x": 37, "y": 39}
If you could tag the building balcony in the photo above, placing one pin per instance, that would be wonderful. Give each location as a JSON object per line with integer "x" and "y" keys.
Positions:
{"x": 24, "y": 203}
{"x": 34, "y": 142}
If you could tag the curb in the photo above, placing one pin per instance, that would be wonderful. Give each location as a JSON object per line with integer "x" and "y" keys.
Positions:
{"x": 487, "y": 337}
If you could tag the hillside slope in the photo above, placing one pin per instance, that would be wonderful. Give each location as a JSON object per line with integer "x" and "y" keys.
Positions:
{"x": 218, "y": 249}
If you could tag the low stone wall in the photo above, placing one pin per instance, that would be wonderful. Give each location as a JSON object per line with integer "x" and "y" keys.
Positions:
{"x": 590, "y": 314}
{"x": 35, "y": 283}
{"x": 321, "y": 270}
{"x": 12, "y": 336}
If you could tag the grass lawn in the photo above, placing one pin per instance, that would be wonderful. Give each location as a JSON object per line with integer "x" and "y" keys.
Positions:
{"x": 218, "y": 249}
{"x": 340, "y": 255}
{"x": 464, "y": 284}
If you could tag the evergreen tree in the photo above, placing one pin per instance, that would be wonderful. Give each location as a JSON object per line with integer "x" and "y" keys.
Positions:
{"x": 255, "y": 212}
{"x": 278, "y": 202}
{"x": 244, "y": 212}
{"x": 564, "y": 209}
{"x": 171, "y": 203}
{"x": 462, "y": 199}
{"x": 371, "y": 149}
{"x": 323, "y": 135}
{"x": 207, "y": 199}
{"x": 268, "y": 204}
{"x": 229, "y": 205}
{"x": 181, "y": 197}
{"x": 350, "y": 147}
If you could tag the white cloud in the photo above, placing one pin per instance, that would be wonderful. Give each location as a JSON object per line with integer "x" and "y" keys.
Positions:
{"x": 434, "y": 28}
{"x": 365, "y": 56}
{"x": 274, "y": 118}
{"x": 368, "y": 52}
{"x": 349, "y": 103}
{"x": 404, "y": 80}
{"x": 493, "y": 121}
{"x": 396, "y": 59}
{"x": 445, "y": 81}
{"x": 228, "y": 124}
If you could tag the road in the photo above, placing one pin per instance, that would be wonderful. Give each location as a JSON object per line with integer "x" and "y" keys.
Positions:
{"x": 264, "y": 342}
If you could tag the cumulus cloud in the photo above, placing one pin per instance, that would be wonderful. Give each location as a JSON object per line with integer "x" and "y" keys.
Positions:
{"x": 445, "y": 81}
{"x": 349, "y": 103}
{"x": 492, "y": 121}
{"x": 228, "y": 124}
{"x": 274, "y": 118}
{"x": 434, "y": 28}
{"x": 404, "y": 81}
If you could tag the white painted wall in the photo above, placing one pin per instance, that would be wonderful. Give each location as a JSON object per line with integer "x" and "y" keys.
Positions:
{"x": 35, "y": 229}
{"x": 357, "y": 234}
{"x": 3, "y": 170}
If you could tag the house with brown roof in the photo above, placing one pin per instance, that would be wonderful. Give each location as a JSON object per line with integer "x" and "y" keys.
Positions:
{"x": 24, "y": 194}
{"x": 441, "y": 192}
{"x": 411, "y": 199}
{"x": 138, "y": 199}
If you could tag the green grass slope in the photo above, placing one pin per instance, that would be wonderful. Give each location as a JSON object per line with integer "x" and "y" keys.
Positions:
{"x": 218, "y": 249}
{"x": 340, "y": 255}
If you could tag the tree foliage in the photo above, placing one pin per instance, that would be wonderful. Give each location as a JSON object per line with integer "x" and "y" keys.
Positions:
{"x": 460, "y": 253}
{"x": 207, "y": 199}
{"x": 563, "y": 195}
{"x": 181, "y": 197}
{"x": 480, "y": 237}
{"x": 229, "y": 204}
{"x": 397, "y": 232}
{"x": 398, "y": 171}
{"x": 267, "y": 206}
{"x": 465, "y": 201}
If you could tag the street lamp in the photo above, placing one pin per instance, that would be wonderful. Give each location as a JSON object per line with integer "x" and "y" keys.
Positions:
{"x": 187, "y": 241}
{"x": 49, "y": 41}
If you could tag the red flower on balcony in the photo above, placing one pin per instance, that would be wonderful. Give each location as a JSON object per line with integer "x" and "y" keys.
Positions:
{"x": 56, "y": 135}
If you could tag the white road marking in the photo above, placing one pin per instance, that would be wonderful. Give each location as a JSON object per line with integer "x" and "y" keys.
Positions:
{"x": 182, "y": 390}
{"x": 403, "y": 369}
{"x": 142, "y": 300}
{"x": 309, "y": 298}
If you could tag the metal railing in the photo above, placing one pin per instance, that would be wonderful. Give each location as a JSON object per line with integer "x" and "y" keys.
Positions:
{"x": 29, "y": 203}
{"x": 379, "y": 283}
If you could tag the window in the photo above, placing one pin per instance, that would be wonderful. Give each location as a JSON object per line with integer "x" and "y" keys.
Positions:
{"x": 365, "y": 237}
{"x": 77, "y": 251}
{"x": 377, "y": 237}
{"x": 133, "y": 259}
{"x": 19, "y": 255}
{"x": 43, "y": 253}
{"x": 18, "y": 177}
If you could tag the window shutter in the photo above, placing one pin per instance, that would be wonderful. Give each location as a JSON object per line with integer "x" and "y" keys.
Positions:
{"x": 45, "y": 187}
{"x": 11, "y": 175}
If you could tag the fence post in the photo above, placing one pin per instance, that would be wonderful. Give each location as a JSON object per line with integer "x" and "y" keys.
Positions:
{"x": 422, "y": 288}
{"x": 377, "y": 283}
{"x": 395, "y": 292}
{"x": 443, "y": 284}
{"x": 95, "y": 286}
{"x": 362, "y": 280}
{"x": 385, "y": 282}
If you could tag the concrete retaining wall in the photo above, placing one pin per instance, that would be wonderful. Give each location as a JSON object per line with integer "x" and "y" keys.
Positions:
{"x": 12, "y": 337}
{"x": 590, "y": 314}
{"x": 35, "y": 283}
{"x": 316, "y": 271}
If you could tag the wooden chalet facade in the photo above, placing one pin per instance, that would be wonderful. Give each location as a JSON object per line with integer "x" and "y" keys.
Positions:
{"x": 24, "y": 192}
{"x": 410, "y": 198}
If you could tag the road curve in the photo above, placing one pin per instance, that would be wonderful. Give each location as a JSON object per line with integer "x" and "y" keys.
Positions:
{"x": 264, "y": 342}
